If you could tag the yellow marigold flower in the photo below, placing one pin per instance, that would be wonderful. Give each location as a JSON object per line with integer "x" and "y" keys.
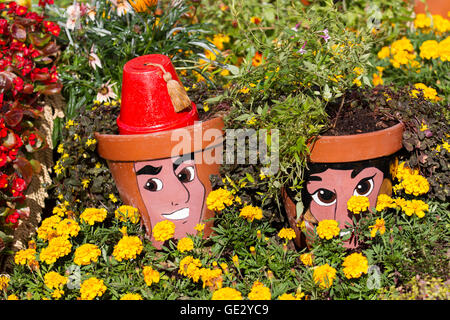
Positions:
{"x": 4, "y": 281}
{"x": 250, "y": 213}
{"x": 25, "y": 256}
{"x": 92, "y": 215}
{"x": 92, "y": 288}
{"x": 218, "y": 199}
{"x": 54, "y": 280}
{"x": 328, "y": 229}
{"x": 384, "y": 201}
{"x": 422, "y": 21}
{"x": 287, "y": 233}
{"x": 57, "y": 247}
{"x": 190, "y": 267}
{"x": 324, "y": 275}
{"x": 259, "y": 292}
{"x": 67, "y": 228}
{"x": 235, "y": 259}
{"x": 355, "y": 265}
{"x": 13, "y": 297}
{"x": 428, "y": 92}
{"x": 47, "y": 229}
{"x": 199, "y": 227}
{"x": 86, "y": 253}
{"x": 150, "y": 275}
{"x": 358, "y": 204}
{"x": 384, "y": 53}
{"x": 414, "y": 206}
{"x": 440, "y": 24}
{"x": 444, "y": 49}
{"x": 129, "y": 247}
{"x": 415, "y": 184}
{"x": 377, "y": 80}
{"x": 226, "y": 293}
{"x": 125, "y": 212}
{"x": 60, "y": 210}
{"x": 306, "y": 259}
{"x": 163, "y": 230}
{"x": 429, "y": 49}
{"x": 402, "y": 171}
{"x": 211, "y": 278}
{"x": 219, "y": 40}
{"x": 286, "y": 296}
{"x": 185, "y": 244}
{"x": 378, "y": 226}
{"x": 131, "y": 296}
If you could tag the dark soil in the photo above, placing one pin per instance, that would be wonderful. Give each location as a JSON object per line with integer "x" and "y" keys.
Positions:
{"x": 351, "y": 115}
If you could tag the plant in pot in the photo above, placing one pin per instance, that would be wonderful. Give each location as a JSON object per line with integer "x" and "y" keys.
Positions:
{"x": 292, "y": 71}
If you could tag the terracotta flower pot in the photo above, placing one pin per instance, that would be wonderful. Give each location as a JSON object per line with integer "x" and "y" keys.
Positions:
{"x": 164, "y": 185}
{"x": 441, "y": 7}
{"x": 340, "y": 167}
{"x": 162, "y": 157}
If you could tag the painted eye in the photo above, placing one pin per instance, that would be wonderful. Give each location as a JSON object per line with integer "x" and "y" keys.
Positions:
{"x": 324, "y": 197}
{"x": 364, "y": 187}
{"x": 153, "y": 184}
{"x": 186, "y": 175}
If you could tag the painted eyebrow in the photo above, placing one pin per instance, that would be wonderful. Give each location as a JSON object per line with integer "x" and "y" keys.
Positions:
{"x": 314, "y": 178}
{"x": 182, "y": 159}
{"x": 148, "y": 169}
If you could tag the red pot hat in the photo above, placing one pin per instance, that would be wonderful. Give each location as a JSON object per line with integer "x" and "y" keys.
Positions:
{"x": 153, "y": 98}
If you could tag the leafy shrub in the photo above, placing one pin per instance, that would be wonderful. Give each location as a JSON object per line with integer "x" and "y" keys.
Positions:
{"x": 27, "y": 73}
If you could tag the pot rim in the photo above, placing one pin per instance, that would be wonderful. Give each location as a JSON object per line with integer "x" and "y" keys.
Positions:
{"x": 357, "y": 147}
{"x": 158, "y": 145}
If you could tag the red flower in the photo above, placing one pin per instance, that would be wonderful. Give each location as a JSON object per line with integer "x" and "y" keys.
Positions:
{"x": 12, "y": 218}
{"x": 32, "y": 139}
{"x": 18, "y": 85}
{"x": 52, "y": 27}
{"x": 3, "y": 130}
{"x": 21, "y": 10}
{"x": 3, "y": 26}
{"x": 42, "y": 3}
{"x": 3, "y": 156}
{"x": 3, "y": 181}
{"x": 17, "y": 186}
{"x": 34, "y": 16}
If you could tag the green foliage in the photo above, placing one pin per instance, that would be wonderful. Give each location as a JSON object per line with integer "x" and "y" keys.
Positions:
{"x": 79, "y": 162}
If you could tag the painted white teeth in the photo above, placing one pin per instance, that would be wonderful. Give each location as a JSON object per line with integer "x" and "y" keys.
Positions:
{"x": 177, "y": 215}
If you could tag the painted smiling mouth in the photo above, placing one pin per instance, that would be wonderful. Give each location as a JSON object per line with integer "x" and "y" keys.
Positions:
{"x": 177, "y": 215}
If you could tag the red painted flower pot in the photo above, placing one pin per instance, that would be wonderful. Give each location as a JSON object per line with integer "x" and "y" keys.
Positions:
{"x": 146, "y": 105}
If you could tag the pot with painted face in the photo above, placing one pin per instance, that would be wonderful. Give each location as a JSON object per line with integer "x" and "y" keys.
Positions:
{"x": 339, "y": 168}
{"x": 163, "y": 156}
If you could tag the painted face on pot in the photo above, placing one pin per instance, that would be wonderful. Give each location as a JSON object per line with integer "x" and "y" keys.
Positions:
{"x": 331, "y": 189}
{"x": 171, "y": 190}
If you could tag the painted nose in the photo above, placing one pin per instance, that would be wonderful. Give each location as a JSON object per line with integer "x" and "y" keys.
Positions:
{"x": 180, "y": 194}
{"x": 341, "y": 213}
